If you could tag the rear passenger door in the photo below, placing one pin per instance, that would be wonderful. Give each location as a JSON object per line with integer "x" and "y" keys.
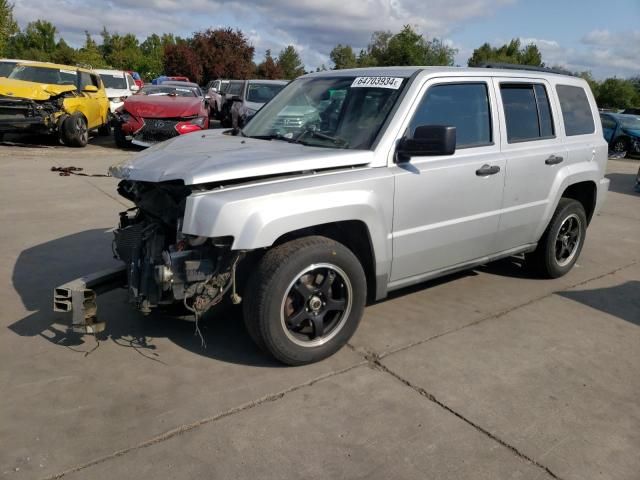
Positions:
{"x": 447, "y": 208}
{"x": 534, "y": 154}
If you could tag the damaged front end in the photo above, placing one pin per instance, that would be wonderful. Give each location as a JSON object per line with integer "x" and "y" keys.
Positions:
{"x": 26, "y": 115}
{"x": 162, "y": 266}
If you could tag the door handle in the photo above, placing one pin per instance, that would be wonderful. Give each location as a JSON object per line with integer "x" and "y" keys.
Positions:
{"x": 553, "y": 160}
{"x": 485, "y": 170}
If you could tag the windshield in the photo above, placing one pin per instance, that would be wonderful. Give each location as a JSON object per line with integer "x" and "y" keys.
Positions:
{"x": 167, "y": 90}
{"x": 333, "y": 112}
{"x": 262, "y": 92}
{"x": 630, "y": 122}
{"x": 113, "y": 80}
{"x": 52, "y": 76}
{"x": 6, "y": 68}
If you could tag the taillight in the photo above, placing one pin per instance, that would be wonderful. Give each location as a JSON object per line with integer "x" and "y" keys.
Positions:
{"x": 192, "y": 125}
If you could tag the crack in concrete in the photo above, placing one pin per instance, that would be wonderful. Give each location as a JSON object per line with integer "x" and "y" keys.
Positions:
{"x": 375, "y": 362}
{"x": 273, "y": 397}
{"x": 502, "y": 313}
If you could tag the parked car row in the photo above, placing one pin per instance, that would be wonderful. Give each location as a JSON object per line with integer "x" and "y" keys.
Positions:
{"x": 622, "y": 132}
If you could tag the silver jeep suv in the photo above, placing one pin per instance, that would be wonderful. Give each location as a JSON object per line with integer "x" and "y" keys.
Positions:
{"x": 385, "y": 178}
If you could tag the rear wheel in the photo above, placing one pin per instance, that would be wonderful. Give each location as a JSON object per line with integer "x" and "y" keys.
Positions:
{"x": 75, "y": 130}
{"x": 561, "y": 244}
{"x": 305, "y": 300}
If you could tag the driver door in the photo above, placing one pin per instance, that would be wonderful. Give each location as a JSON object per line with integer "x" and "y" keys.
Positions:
{"x": 446, "y": 210}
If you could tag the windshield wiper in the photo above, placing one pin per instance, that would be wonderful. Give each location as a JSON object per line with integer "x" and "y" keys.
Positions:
{"x": 273, "y": 136}
{"x": 341, "y": 142}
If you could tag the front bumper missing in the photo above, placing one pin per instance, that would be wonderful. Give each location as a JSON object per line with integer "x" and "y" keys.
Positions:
{"x": 79, "y": 297}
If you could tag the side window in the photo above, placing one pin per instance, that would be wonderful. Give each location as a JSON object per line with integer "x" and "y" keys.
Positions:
{"x": 85, "y": 79}
{"x": 527, "y": 112}
{"x": 130, "y": 81}
{"x": 461, "y": 105}
{"x": 235, "y": 88}
{"x": 95, "y": 81}
{"x": 576, "y": 111}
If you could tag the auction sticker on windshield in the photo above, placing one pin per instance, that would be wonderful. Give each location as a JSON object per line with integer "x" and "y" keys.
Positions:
{"x": 379, "y": 82}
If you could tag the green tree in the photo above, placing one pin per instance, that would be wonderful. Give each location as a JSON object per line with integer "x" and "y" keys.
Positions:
{"x": 8, "y": 25}
{"x": 64, "y": 53}
{"x": 90, "y": 54}
{"x": 512, "y": 53}
{"x": 342, "y": 56}
{"x": 617, "y": 93}
{"x": 290, "y": 63}
{"x": 406, "y": 47}
{"x": 36, "y": 42}
{"x": 269, "y": 69}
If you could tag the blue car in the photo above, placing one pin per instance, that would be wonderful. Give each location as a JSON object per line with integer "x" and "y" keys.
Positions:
{"x": 622, "y": 132}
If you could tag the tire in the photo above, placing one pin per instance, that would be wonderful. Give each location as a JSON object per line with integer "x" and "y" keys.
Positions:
{"x": 225, "y": 117}
{"x": 298, "y": 282}
{"x": 119, "y": 137}
{"x": 75, "y": 132}
{"x": 105, "y": 130}
{"x": 620, "y": 146}
{"x": 557, "y": 250}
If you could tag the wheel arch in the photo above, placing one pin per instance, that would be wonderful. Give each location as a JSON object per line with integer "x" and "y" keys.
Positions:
{"x": 584, "y": 192}
{"x": 353, "y": 234}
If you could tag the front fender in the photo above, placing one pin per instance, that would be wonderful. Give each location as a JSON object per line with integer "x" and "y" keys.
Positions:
{"x": 257, "y": 215}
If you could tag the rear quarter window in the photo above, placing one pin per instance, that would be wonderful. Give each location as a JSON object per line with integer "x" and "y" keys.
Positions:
{"x": 576, "y": 111}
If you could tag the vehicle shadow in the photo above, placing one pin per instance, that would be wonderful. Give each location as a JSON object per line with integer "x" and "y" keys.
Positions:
{"x": 623, "y": 183}
{"x": 41, "y": 268}
{"x": 622, "y": 301}
{"x": 52, "y": 141}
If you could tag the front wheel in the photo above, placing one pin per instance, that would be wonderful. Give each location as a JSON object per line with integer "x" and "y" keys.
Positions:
{"x": 75, "y": 132}
{"x": 305, "y": 300}
{"x": 620, "y": 146}
{"x": 561, "y": 244}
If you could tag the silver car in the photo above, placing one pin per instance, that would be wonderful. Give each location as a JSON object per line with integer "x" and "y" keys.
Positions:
{"x": 394, "y": 176}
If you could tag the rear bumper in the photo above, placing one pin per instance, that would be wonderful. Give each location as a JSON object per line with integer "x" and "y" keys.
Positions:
{"x": 79, "y": 297}
{"x": 603, "y": 190}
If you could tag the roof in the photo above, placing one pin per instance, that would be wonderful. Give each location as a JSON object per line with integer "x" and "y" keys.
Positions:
{"x": 268, "y": 82}
{"x": 620, "y": 116}
{"x": 54, "y": 65}
{"x": 109, "y": 71}
{"x": 406, "y": 72}
{"x": 178, "y": 83}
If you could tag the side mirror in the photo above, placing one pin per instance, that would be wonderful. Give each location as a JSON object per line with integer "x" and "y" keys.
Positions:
{"x": 134, "y": 88}
{"x": 214, "y": 89}
{"x": 236, "y": 98}
{"x": 429, "y": 140}
{"x": 90, "y": 89}
{"x": 207, "y": 97}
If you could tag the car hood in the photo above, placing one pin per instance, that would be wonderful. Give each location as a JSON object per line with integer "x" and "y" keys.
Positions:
{"x": 210, "y": 157}
{"x": 31, "y": 90}
{"x": 117, "y": 92}
{"x": 297, "y": 111}
{"x": 162, "y": 106}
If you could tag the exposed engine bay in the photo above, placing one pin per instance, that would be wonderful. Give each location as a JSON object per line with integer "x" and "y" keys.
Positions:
{"x": 163, "y": 265}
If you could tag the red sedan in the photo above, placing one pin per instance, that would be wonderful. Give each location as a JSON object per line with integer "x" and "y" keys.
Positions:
{"x": 160, "y": 112}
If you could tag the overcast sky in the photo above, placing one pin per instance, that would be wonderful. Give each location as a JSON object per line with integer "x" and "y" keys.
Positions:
{"x": 597, "y": 35}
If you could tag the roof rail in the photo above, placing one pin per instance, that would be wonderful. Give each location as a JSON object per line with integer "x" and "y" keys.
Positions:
{"x": 531, "y": 68}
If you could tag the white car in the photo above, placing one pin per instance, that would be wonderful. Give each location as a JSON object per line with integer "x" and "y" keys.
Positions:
{"x": 119, "y": 85}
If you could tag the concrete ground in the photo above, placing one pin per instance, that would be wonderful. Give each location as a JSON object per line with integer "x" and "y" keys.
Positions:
{"x": 488, "y": 374}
